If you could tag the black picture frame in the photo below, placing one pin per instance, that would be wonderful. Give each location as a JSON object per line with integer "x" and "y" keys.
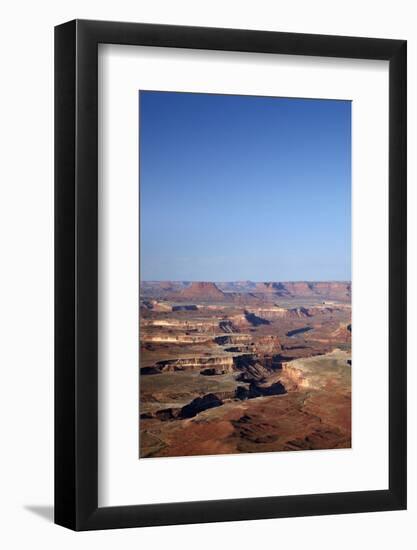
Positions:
{"x": 76, "y": 273}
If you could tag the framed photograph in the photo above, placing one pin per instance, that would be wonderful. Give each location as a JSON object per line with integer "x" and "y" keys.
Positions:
{"x": 230, "y": 252}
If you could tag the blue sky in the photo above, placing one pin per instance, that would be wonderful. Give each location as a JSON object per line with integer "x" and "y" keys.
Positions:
{"x": 244, "y": 188}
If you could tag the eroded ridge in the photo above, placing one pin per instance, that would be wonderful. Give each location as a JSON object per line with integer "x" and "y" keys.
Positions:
{"x": 244, "y": 367}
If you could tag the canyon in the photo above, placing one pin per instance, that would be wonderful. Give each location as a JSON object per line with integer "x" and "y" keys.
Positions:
{"x": 239, "y": 367}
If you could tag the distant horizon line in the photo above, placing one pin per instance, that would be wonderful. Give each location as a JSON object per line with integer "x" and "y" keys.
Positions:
{"x": 246, "y": 281}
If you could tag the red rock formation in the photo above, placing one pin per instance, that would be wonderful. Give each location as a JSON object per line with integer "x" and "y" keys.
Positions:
{"x": 305, "y": 289}
{"x": 202, "y": 291}
{"x": 266, "y": 287}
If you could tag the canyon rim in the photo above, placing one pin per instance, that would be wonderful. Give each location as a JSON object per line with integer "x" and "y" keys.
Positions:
{"x": 245, "y": 279}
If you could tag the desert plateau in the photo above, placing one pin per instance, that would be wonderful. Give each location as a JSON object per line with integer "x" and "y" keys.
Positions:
{"x": 242, "y": 367}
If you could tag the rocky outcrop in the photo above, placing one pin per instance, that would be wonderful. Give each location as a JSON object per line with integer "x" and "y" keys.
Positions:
{"x": 202, "y": 291}
{"x": 223, "y": 362}
{"x": 269, "y": 313}
{"x": 268, "y": 344}
{"x": 254, "y": 390}
{"x": 301, "y": 312}
{"x": 155, "y": 305}
{"x": 180, "y": 338}
{"x": 343, "y": 333}
{"x": 333, "y": 289}
{"x": 273, "y": 362}
{"x": 304, "y": 289}
{"x": 250, "y": 368}
{"x": 276, "y": 312}
{"x": 160, "y": 289}
{"x": 200, "y": 404}
{"x": 181, "y": 324}
{"x": 212, "y": 400}
{"x": 254, "y": 320}
{"x": 237, "y": 286}
{"x": 206, "y": 291}
{"x": 235, "y": 339}
{"x": 296, "y": 377}
{"x": 227, "y": 326}
{"x": 270, "y": 288}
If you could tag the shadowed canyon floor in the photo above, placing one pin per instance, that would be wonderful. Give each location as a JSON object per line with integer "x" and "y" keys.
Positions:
{"x": 244, "y": 367}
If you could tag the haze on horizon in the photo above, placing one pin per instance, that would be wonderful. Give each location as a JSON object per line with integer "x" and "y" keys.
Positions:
{"x": 240, "y": 188}
{"x": 245, "y": 281}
